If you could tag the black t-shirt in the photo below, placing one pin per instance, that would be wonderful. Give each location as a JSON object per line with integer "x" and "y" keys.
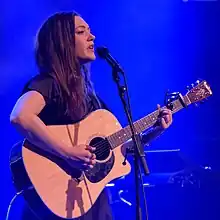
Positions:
{"x": 54, "y": 111}
{"x": 54, "y": 114}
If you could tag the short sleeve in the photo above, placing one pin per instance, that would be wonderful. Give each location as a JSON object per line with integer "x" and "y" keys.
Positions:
{"x": 45, "y": 85}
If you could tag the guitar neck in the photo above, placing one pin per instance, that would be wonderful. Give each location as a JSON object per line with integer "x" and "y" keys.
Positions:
{"x": 143, "y": 124}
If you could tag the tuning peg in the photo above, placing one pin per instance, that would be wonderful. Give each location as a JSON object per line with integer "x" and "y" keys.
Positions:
{"x": 197, "y": 82}
{"x": 189, "y": 87}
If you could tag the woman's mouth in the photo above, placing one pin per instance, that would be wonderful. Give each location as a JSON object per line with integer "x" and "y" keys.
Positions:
{"x": 91, "y": 47}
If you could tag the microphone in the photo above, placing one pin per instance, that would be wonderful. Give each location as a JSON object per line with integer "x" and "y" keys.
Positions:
{"x": 103, "y": 53}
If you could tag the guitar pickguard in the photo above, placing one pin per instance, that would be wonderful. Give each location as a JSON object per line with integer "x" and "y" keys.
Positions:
{"x": 100, "y": 170}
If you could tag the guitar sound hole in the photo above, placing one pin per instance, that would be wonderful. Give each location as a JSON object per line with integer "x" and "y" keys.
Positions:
{"x": 102, "y": 148}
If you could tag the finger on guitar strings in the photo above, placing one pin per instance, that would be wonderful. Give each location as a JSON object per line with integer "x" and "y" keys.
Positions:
{"x": 159, "y": 110}
{"x": 90, "y": 148}
{"x": 92, "y": 162}
{"x": 166, "y": 118}
{"x": 86, "y": 167}
{"x": 163, "y": 123}
{"x": 87, "y": 159}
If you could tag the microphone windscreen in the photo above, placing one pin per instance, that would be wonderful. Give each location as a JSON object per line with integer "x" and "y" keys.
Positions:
{"x": 102, "y": 51}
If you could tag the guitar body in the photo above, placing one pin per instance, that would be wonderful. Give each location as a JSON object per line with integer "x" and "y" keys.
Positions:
{"x": 70, "y": 193}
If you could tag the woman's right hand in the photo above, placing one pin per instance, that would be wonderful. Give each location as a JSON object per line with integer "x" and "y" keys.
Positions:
{"x": 81, "y": 157}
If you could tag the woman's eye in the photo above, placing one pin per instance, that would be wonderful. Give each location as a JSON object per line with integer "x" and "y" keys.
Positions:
{"x": 80, "y": 32}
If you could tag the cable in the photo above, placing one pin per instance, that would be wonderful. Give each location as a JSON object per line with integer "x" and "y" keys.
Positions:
{"x": 11, "y": 202}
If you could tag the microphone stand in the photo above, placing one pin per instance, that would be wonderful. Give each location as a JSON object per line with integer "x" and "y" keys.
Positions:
{"x": 139, "y": 153}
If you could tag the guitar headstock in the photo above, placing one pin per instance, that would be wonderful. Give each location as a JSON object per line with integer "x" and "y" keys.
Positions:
{"x": 199, "y": 92}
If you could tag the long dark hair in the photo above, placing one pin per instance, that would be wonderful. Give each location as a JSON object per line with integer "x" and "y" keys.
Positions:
{"x": 55, "y": 56}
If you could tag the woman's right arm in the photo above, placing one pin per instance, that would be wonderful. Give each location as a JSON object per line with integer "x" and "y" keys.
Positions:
{"x": 25, "y": 118}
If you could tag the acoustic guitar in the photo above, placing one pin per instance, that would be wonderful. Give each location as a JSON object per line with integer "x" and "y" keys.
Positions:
{"x": 70, "y": 193}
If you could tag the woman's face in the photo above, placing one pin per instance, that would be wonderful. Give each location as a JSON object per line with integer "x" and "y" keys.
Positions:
{"x": 84, "y": 41}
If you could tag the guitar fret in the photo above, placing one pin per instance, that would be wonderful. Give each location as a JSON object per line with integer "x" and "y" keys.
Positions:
{"x": 151, "y": 119}
{"x": 122, "y": 135}
{"x": 142, "y": 125}
{"x": 114, "y": 138}
{"x": 111, "y": 142}
{"x": 137, "y": 127}
{"x": 145, "y": 123}
{"x": 128, "y": 131}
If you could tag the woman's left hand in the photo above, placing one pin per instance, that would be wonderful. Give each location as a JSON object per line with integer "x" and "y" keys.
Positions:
{"x": 165, "y": 118}
{"x": 164, "y": 121}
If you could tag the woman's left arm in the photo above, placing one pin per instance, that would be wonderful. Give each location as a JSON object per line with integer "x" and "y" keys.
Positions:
{"x": 164, "y": 121}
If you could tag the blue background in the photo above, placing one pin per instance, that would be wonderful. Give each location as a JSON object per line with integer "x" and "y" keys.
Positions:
{"x": 160, "y": 44}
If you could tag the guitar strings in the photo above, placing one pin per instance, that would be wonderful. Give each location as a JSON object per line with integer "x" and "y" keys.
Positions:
{"x": 102, "y": 147}
{"x": 100, "y": 144}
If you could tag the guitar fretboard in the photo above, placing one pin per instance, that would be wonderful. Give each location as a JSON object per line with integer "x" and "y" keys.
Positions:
{"x": 142, "y": 124}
